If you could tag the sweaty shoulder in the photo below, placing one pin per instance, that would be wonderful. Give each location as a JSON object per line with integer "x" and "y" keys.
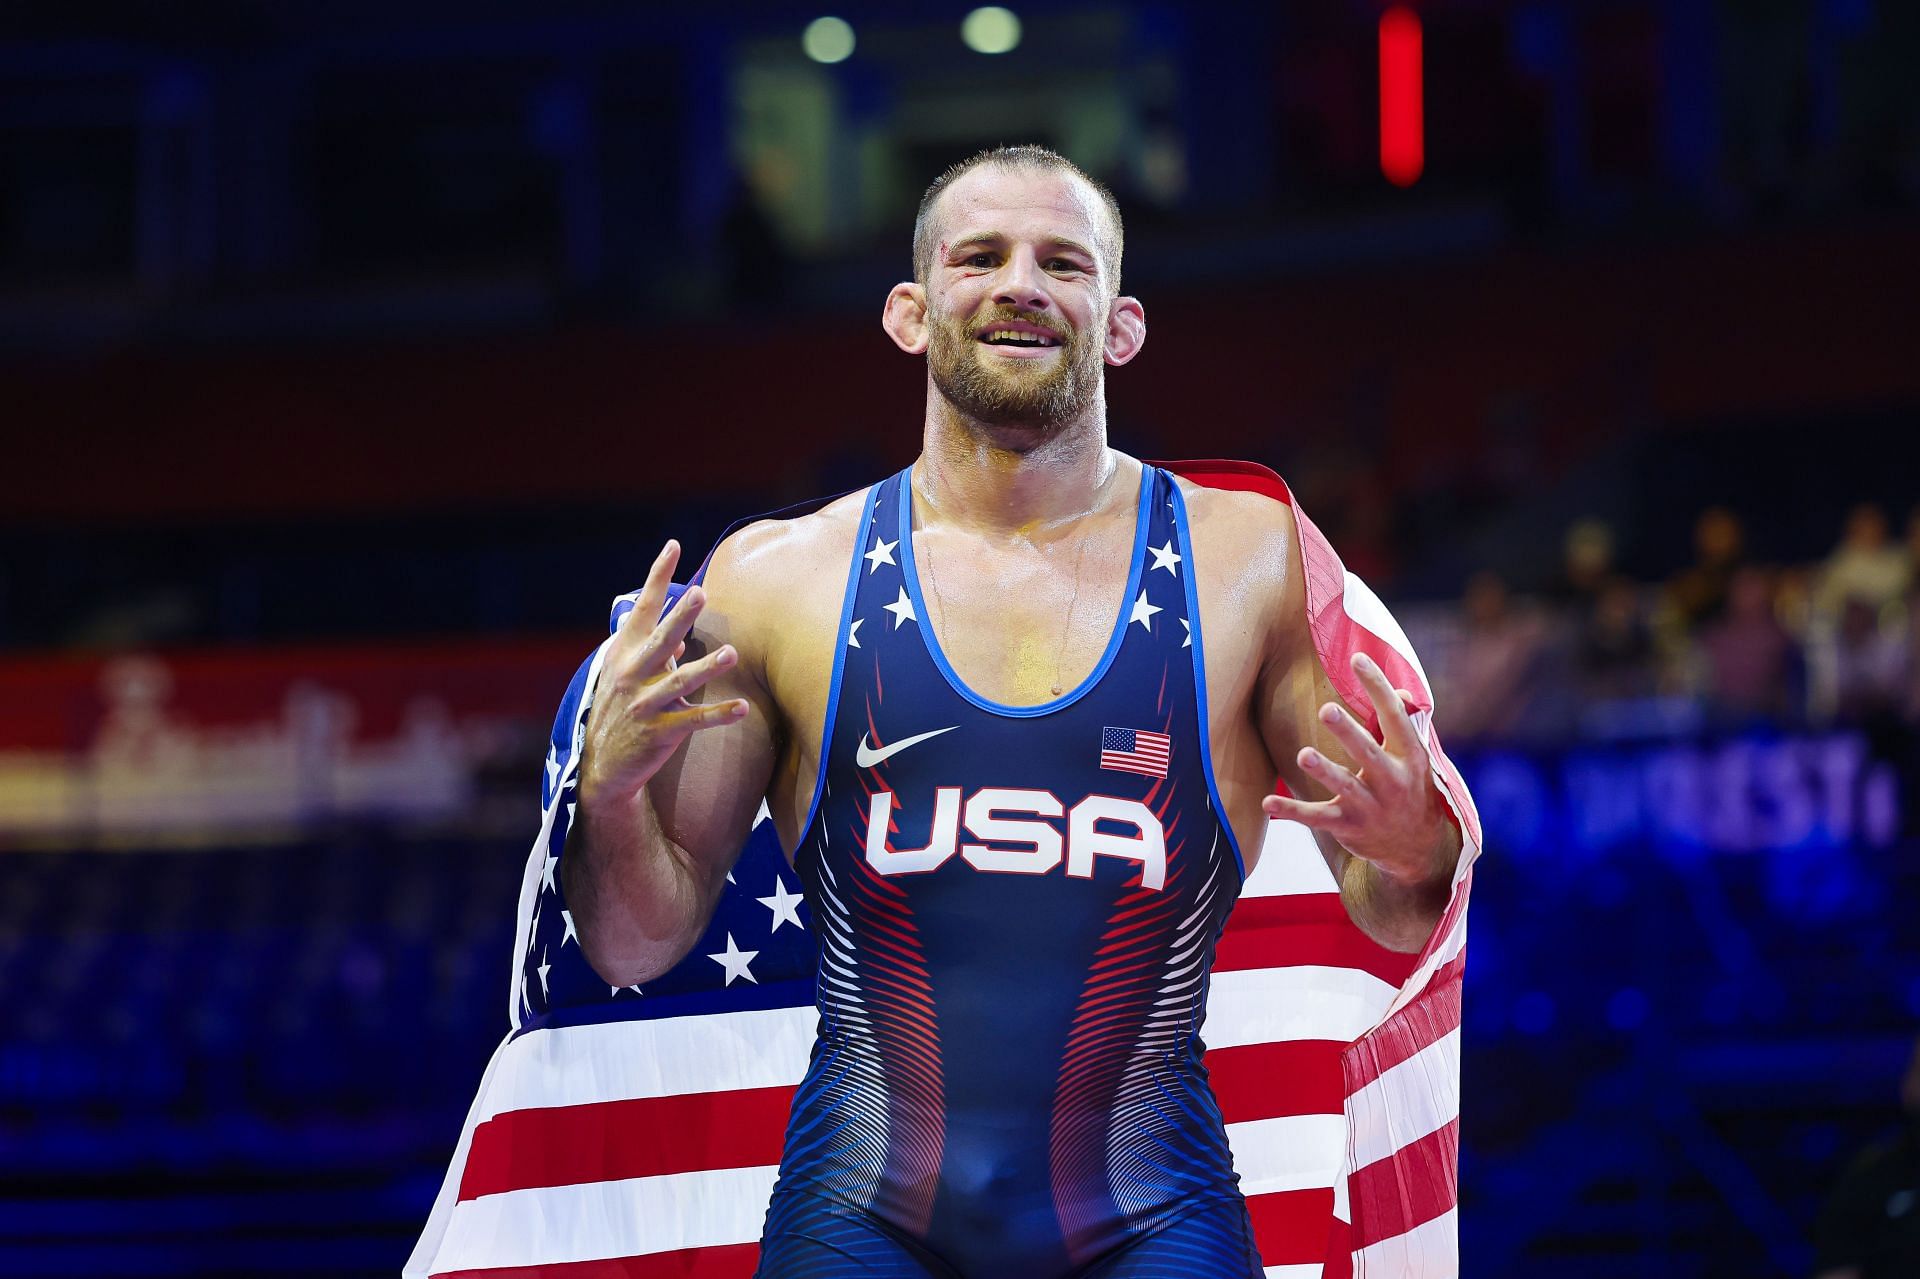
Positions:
{"x": 766, "y": 553}
{"x": 778, "y": 577}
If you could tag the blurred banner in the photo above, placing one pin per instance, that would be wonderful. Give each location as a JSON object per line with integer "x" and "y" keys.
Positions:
{"x": 218, "y": 746}
{"x": 1771, "y": 793}
{"x": 241, "y": 744}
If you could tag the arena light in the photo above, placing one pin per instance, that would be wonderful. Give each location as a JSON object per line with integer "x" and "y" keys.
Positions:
{"x": 1402, "y": 124}
{"x": 991, "y": 29}
{"x": 828, "y": 39}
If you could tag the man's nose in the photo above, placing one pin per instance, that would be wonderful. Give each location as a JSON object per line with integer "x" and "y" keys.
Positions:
{"x": 1020, "y": 284}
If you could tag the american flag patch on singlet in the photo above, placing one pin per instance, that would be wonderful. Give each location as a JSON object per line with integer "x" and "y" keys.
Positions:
{"x": 1135, "y": 750}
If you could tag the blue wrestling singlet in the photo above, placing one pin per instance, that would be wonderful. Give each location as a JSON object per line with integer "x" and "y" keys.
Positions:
{"x": 1017, "y": 908}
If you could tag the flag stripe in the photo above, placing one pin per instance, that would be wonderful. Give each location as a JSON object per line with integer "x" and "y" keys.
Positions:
{"x": 1265, "y": 1005}
{"x": 635, "y": 1217}
{"x": 730, "y": 1261}
{"x": 618, "y": 1060}
{"x": 1275, "y": 931}
{"x": 615, "y": 1140}
{"x": 1407, "y": 1103}
{"x": 1261, "y": 1081}
{"x": 1292, "y": 1152}
{"x": 1289, "y": 863}
{"x": 1411, "y": 1030}
{"x": 1430, "y": 1250}
{"x": 1291, "y": 1229}
{"x": 1416, "y": 1185}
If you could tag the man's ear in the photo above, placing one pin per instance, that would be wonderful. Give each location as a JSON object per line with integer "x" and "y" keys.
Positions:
{"x": 1126, "y": 331}
{"x": 905, "y": 317}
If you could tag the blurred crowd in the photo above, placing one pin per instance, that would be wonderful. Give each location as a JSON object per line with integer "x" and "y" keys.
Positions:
{"x": 1727, "y": 641}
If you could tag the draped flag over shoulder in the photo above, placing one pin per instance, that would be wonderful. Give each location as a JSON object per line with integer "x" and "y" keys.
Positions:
{"x": 634, "y": 1132}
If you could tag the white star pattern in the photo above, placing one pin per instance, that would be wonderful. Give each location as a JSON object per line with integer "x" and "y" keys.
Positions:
{"x": 543, "y": 970}
{"x": 566, "y": 919}
{"x": 546, "y": 876}
{"x": 1143, "y": 612}
{"x": 1188, "y": 641}
{"x": 1165, "y": 557}
{"x": 764, "y": 815}
{"x": 902, "y": 610}
{"x": 853, "y": 633}
{"x": 615, "y": 990}
{"x": 882, "y": 553}
{"x": 553, "y": 770}
{"x": 784, "y": 905}
{"x": 736, "y": 962}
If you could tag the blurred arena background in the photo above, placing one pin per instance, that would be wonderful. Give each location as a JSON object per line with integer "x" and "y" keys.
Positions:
{"x": 353, "y": 356}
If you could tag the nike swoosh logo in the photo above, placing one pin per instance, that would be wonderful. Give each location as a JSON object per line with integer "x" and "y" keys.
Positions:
{"x": 865, "y": 756}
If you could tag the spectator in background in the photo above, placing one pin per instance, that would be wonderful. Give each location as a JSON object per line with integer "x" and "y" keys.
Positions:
{"x": 1490, "y": 686}
{"x": 1867, "y": 566}
{"x": 1614, "y": 653}
{"x": 1587, "y": 564}
{"x": 1864, "y": 668}
{"x": 1870, "y": 1226}
{"x": 1698, "y": 594}
{"x": 1752, "y": 663}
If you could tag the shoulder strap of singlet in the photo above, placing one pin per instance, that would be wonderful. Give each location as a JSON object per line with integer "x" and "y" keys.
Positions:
{"x": 1213, "y": 472}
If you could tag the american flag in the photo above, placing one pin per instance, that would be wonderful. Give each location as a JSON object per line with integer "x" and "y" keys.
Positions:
{"x": 626, "y": 1134}
{"x": 1135, "y": 750}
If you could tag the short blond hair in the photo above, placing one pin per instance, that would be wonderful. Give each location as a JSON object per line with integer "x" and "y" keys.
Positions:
{"x": 1024, "y": 156}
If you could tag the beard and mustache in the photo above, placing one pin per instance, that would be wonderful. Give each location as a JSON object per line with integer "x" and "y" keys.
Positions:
{"x": 1037, "y": 394}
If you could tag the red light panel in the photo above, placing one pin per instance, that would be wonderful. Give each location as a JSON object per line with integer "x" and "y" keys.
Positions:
{"x": 1403, "y": 143}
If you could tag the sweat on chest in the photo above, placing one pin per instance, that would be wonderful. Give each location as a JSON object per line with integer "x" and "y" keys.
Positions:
{"x": 1021, "y": 633}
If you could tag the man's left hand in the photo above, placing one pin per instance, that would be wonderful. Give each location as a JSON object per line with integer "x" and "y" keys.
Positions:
{"x": 1385, "y": 809}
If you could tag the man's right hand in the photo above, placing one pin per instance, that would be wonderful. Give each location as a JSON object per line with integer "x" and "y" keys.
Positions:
{"x": 640, "y": 898}
{"x": 640, "y": 712}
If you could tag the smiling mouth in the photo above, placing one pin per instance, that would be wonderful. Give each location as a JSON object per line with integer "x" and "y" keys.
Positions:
{"x": 1018, "y": 338}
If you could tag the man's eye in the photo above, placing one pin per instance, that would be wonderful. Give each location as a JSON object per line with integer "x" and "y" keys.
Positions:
{"x": 980, "y": 259}
{"x": 1063, "y": 264}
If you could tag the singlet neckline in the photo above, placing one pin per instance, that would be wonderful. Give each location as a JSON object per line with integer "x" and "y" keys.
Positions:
{"x": 1142, "y": 521}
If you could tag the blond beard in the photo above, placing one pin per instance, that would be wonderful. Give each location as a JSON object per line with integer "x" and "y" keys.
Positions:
{"x": 1011, "y": 395}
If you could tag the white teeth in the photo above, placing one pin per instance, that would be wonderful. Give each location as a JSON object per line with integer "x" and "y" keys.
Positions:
{"x": 1017, "y": 335}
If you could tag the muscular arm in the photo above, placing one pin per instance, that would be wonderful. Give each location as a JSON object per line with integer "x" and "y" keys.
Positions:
{"x": 665, "y": 807}
{"x": 1371, "y": 804}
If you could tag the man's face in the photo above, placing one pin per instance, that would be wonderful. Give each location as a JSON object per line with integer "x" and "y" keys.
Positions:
{"x": 1018, "y": 297}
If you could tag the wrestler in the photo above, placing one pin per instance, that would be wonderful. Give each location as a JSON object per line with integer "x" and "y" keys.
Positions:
{"x": 1017, "y": 712}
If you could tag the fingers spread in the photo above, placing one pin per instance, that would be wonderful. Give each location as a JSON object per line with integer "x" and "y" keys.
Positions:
{"x": 685, "y": 679}
{"x": 672, "y": 631}
{"x": 713, "y": 715}
{"x": 1325, "y": 815}
{"x": 1335, "y": 776}
{"x": 1352, "y": 734}
{"x": 653, "y": 592}
{"x": 1396, "y": 729}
